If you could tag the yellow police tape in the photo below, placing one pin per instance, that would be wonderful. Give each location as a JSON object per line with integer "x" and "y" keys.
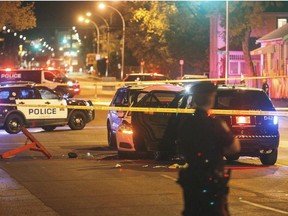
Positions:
{"x": 152, "y": 110}
{"x": 101, "y": 83}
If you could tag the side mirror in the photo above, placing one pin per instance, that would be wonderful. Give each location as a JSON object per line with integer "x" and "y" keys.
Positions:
{"x": 120, "y": 114}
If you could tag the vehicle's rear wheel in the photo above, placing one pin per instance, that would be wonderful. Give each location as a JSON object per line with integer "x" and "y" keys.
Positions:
{"x": 269, "y": 159}
{"x": 111, "y": 136}
{"x": 77, "y": 120}
{"x": 232, "y": 158}
{"x": 13, "y": 124}
{"x": 49, "y": 128}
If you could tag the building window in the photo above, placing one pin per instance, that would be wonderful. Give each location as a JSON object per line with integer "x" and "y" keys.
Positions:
{"x": 281, "y": 22}
{"x": 234, "y": 68}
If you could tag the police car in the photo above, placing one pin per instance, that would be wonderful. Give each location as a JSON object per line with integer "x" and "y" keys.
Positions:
{"x": 24, "y": 105}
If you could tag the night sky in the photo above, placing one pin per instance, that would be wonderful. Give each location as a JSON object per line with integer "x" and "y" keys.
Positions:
{"x": 51, "y": 14}
{"x": 60, "y": 15}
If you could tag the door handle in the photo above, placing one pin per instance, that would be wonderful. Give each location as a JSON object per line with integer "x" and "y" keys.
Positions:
{"x": 47, "y": 102}
{"x": 21, "y": 102}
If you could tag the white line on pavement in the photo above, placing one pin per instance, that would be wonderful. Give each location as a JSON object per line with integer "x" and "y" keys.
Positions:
{"x": 264, "y": 207}
{"x": 169, "y": 177}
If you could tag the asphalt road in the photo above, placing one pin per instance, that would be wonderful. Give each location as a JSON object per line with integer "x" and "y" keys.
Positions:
{"x": 98, "y": 183}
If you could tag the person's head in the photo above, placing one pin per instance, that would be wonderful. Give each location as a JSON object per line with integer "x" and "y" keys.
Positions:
{"x": 204, "y": 95}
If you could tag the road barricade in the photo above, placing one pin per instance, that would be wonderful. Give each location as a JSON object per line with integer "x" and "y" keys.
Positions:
{"x": 33, "y": 146}
{"x": 107, "y": 83}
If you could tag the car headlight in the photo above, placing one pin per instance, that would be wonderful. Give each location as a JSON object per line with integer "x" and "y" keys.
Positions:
{"x": 125, "y": 128}
{"x": 70, "y": 83}
{"x": 187, "y": 88}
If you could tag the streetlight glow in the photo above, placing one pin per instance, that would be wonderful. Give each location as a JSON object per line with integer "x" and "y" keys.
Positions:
{"x": 102, "y": 6}
{"x": 82, "y": 19}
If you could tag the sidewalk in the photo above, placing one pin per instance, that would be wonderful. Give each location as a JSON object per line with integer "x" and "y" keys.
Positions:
{"x": 16, "y": 200}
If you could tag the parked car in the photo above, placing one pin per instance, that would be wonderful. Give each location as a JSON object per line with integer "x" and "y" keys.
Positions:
{"x": 122, "y": 98}
{"x": 13, "y": 116}
{"x": 190, "y": 80}
{"x": 137, "y": 77}
{"x": 156, "y": 96}
{"x": 258, "y": 134}
{"x": 59, "y": 82}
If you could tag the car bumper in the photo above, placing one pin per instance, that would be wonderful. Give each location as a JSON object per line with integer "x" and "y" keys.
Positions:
{"x": 124, "y": 142}
{"x": 254, "y": 145}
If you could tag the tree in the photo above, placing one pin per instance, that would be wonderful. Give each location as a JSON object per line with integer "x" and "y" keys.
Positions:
{"x": 17, "y": 15}
{"x": 162, "y": 33}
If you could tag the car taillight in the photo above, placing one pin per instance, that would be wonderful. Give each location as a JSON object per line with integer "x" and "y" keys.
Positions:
{"x": 275, "y": 120}
{"x": 243, "y": 120}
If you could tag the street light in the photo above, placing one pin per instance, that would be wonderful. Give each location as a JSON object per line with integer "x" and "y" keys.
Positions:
{"x": 82, "y": 19}
{"x": 102, "y": 6}
{"x": 88, "y": 14}
{"x": 227, "y": 43}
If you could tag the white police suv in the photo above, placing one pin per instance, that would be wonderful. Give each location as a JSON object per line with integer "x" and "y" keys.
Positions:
{"x": 24, "y": 105}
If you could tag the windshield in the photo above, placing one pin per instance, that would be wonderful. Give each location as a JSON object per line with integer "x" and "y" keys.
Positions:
{"x": 244, "y": 100}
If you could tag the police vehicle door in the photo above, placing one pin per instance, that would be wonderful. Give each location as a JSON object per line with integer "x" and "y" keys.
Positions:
{"x": 41, "y": 96}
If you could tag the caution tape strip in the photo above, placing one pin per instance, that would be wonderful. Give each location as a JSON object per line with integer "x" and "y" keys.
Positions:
{"x": 186, "y": 80}
{"x": 169, "y": 81}
{"x": 151, "y": 110}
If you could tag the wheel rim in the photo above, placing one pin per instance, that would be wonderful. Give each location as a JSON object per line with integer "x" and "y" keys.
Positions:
{"x": 78, "y": 121}
{"x": 14, "y": 125}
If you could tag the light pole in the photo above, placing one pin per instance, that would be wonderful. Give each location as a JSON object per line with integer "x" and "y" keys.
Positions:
{"x": 82, "y": 19}
{"x": 88, "y": 14}
{"x": 102, "y": 6}
{"x": 227, "y": 43}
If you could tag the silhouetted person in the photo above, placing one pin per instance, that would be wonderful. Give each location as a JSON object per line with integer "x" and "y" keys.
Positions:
{"x": 265, "y": 87}
{"x": 205, "y": 140}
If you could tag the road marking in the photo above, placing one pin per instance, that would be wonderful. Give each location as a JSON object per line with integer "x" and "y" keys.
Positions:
{"x": 264, "y": 207}
{"x": 243, "y": 201}
{"x": 169, "y": 177}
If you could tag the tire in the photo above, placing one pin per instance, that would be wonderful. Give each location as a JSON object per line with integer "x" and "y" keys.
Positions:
{"x": 232, "y": 158}
{"x": 160, "y": 156}
{"x": 123, "y": 154}
{"x": 13, "y": 124}
{"x": 269, "y": 159}
{"x": 111, "y": 137}
{"x": 48, "y": 128}
{"x": 77, "y": 120}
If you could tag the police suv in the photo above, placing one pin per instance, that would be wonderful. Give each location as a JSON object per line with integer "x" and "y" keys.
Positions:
{"x": 24, "y": 105}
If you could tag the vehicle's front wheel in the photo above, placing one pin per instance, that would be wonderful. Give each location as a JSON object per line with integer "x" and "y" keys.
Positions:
{"x": 48, "y": 128}
{"x": 111, "y": 137}
{"x": 269, "y": 159}
{"x": 13, "y": 124}
{"x": 160, "y": 155}
{"x": 77, "y": 120}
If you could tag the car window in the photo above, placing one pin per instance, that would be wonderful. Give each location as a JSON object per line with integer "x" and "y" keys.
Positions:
{"x": 49, "y": 76}
{"x": 4, "y": 94}
{"x": 158, "y": 99}
{"x": 27, "y": 94}
{"x": 121, "y": 98}
{"x": 246, "y": 100}
{"x": 47, "y": 94}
